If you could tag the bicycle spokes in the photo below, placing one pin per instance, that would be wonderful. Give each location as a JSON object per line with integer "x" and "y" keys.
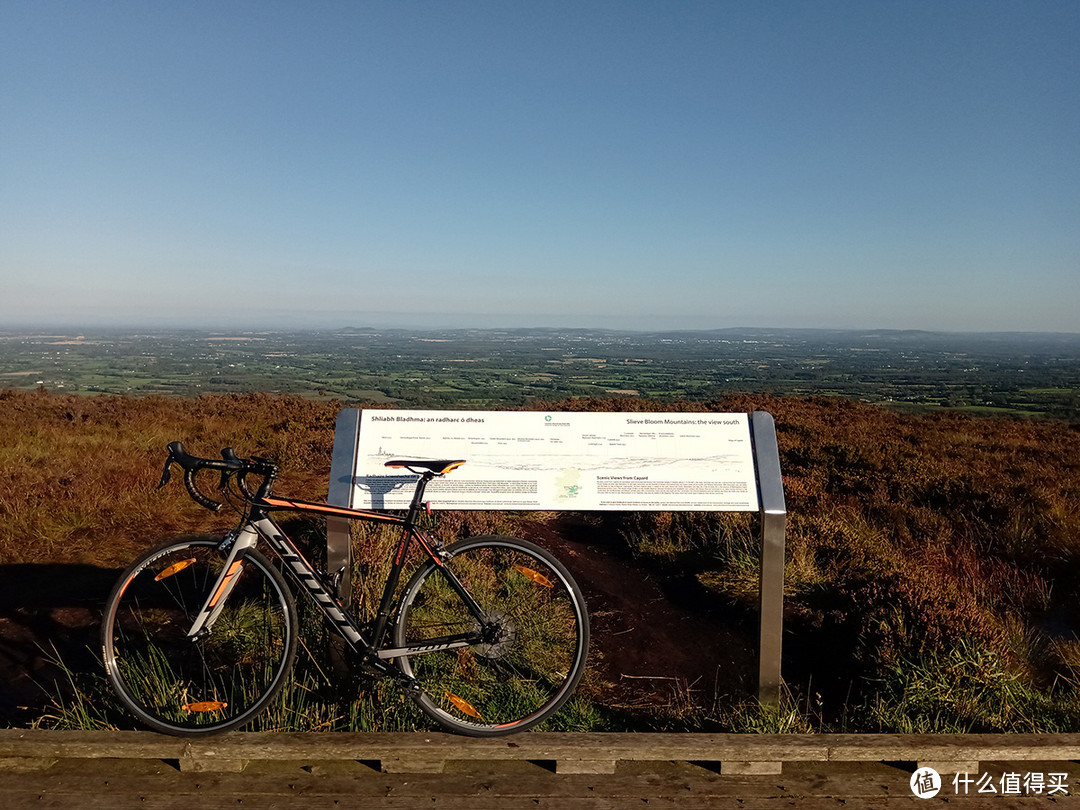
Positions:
{"x": 530, "y": 635}
{"x": 218, "y": 679}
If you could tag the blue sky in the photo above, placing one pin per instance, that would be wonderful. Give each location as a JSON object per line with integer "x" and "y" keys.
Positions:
{"x": 623, "y": 164}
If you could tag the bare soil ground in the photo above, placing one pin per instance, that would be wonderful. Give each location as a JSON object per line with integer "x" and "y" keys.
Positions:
{"x": 657, "y": 638}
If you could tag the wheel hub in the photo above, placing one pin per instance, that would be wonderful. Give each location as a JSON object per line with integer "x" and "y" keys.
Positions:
{"x": 498, "y": 634}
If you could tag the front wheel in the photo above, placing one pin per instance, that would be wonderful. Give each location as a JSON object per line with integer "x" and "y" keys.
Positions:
{"x": 221, "y": 678}
{"x": 527, "y": 628}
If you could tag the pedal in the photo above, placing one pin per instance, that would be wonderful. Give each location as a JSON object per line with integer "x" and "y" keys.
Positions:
{"x": 408, "y": 686}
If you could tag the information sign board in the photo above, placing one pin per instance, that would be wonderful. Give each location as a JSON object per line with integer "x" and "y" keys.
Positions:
{"x": 725, "y": 462}
{"x": 560, "y": 460}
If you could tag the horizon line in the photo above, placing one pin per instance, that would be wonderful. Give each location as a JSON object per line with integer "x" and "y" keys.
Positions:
{"x": 68, "y": 328}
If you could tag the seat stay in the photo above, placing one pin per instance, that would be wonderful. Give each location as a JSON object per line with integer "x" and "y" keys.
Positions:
{"x": 466, "y": 597}
{"x": 442, "y": 643}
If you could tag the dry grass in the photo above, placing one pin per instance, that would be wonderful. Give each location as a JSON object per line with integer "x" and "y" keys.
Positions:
{"x": 77, "y": 475}
{"x": 916, "y": 543}
{"x": 921, "y": 541}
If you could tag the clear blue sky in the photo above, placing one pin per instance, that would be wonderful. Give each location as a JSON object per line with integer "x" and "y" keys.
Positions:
{"x": 908, "y": 164}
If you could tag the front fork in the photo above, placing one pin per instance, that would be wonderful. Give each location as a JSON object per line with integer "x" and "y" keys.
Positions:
{"x": 237, "y": 542}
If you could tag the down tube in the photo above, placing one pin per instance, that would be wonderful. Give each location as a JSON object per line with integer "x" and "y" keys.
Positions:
{"x": 304, "y": 573}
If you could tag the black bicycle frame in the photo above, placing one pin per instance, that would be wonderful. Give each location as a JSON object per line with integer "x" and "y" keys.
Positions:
{"x": 258, "y": 523}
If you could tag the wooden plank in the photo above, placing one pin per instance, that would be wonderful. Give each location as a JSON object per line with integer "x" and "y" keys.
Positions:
{"x": 953, "y": 747}
{"x": 476, "y": 786}
{"x": 413, "y": 746}
{"x": 88, "y": 744}
{"x": 742, "y": 767}
{"x": 23, "y": 764}
{"x": 954, "y": 766}
{"x": 567, "y": 765}
{"x": 506, "y": 778}
{"x": 426, "y": 751}
{"x": 413, "y": 764}
{"x": 199, "y": 764}
{"x": 233, "y": 801}
{"x": 66, "y": 801}
{"x": 426, "y": 786}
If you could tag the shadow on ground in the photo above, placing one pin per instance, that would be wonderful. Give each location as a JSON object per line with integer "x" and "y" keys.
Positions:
{"x": 48, "y": 613}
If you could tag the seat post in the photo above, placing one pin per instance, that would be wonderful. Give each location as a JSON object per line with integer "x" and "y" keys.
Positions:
{"x": 418, "y": 496}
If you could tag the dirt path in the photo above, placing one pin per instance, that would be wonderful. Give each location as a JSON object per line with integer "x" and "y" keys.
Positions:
{"x": 654, "y": 635}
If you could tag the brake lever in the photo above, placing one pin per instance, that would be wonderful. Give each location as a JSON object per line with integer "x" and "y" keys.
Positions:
{"x": 228, "y": 454}
{"x": 166, "y": 473}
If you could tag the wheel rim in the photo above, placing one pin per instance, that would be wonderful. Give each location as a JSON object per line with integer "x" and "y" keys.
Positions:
{"x": 218, "y": 681}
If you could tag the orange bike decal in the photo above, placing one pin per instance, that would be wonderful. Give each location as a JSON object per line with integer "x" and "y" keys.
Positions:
{"x": 327, "y": 509}
{"x": 234, "y": 569}
{"x": 535, "y": 576}
{"x": 204, "y": 706}
{"x": 463, "y": 705}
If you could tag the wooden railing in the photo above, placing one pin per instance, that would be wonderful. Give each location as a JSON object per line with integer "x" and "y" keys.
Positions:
{"x": 572, "y": 753}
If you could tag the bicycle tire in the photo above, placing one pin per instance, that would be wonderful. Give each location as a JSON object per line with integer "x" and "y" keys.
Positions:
{"x": 218, "y": 681}
{"x": 535, "y": 645}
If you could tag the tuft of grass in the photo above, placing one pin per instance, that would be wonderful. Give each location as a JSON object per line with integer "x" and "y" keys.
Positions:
{"x": 965, "y": 689}
{"x": 81, "y": 700}
{"x": 578, "y": 714}
{"x": 750, "y": 716}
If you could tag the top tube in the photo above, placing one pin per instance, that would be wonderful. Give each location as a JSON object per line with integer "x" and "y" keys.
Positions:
{"x": 277, "y": 502}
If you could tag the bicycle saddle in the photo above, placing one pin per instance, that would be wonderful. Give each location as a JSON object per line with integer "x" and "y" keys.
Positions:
{"x": 437, "y": 467}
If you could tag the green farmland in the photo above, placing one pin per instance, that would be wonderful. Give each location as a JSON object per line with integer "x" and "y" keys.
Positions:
{"x": 1007, "y": 374}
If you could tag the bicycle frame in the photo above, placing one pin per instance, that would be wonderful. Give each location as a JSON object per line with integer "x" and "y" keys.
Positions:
{"x": 258, "y": 523}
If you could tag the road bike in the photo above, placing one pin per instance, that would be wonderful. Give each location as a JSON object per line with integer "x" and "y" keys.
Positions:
{"x": 489, "y": 635}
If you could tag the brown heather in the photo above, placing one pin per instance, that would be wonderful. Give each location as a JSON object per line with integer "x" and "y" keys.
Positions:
{"x": 78, "y": 474}
{"x": 931, "y": 568}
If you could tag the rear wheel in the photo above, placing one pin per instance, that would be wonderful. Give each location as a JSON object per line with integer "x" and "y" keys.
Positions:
{"x": 527, "y": 645}
{"x": 222, "y": 678}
